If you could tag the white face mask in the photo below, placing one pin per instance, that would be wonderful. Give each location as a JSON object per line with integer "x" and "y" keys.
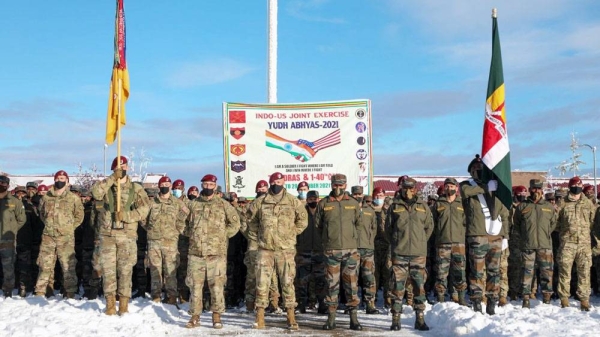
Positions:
{"x": 377, "y": 202}
{"x": 302, "y": 195}
{"x": 177, "y": 193}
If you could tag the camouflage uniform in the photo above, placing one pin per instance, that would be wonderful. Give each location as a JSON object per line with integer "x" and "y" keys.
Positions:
{"x": 274, "y": 221}
{"x": 535, "y": 222}
{"x": 338, "y": 222}
{"x": 450, "y": 222}
{"x": 367, "y": 230}
{"x": 310, "y": 263}
{"x": 61, "y": 214}
{"x": 166, "y": 221}
{"x": 211, "y": 223}
{"x": 575, "y": 221}
{"x": 117, "y": 239}
{"x": 408, "y": 226}
{"x": 12, "y": 218}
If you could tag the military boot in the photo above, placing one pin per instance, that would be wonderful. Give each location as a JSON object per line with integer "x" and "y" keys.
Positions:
{"x": 216, "y": 320}
{"x": 502, "y": 301}
{"x": 301, "y": 308}
{"x": 477, "y": 306}
{"x": 22, "y": 291}
{"x": 395, "y": 322}
{"x": 291, "y": 319}
{"x": 420, "y": 321}
{"x": 490, "y": 308}
{"x": 49, "y": 291}
{"x": 8, "y": 293}
{"x": 585, "y": 305}
{"x": 462, "y": 298}
{"x": 330, "y": 324}
{"x": 123, "y": 305}
{"x": 547, "y": 298}
{"x": 371, "y": 310}
{"x": 354, "y": 324}
{"x": 526, "y": 301}
{"x": 111, "y": 305}
{"x": 250, "y": 307}
{"x": 440, "y": 298}
{"x": 194, "y": 322}
{"x": 259, "y": 323}
{"x": 564, "y": 302}
{"x": 172, "y": 300}
{"x": 91, "y": 294}
{"x": 322, "y": 307}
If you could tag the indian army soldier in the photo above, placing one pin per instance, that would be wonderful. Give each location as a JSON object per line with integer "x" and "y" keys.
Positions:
{"x": 338, "y": 219}
{"x": 366, "y": 248}
{"x": 515, "y": 261}
{"x": 449, "y": 218}
{"x": 534, "y": 220}
{"x": 166, "y": 221}
{"x": 25, "y": 241}
{"x": 118, "y": 232}
{"x": 302, "y": 190}
{"x": 575, "y": 221}
{"x": 310, "y": 261}
{"x": 485, "y": 232}
{"x": 212, "y": 221}
{"x": 274, "y": 221}
{"x": 62, "y": 212}
{"x": 409, "y": 225}
{"x": 382, "y": 245}
{"x": 12, "y": 218}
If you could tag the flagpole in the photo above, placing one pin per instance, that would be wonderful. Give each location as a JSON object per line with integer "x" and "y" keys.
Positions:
{"x": 120, "y": 90}
{"x": 272, "y": 52}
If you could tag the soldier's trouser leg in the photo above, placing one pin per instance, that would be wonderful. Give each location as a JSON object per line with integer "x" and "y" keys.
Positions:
{"x": 196, "y": 276}
{"x": 382, "y": 271}
{"x": 165, "y": 272}
{"x": 303, "y": 276}
{"x": 250, "y": 288}
{"x": 216, "y": 275}
{"x": 264, "y": 270}
{"x": 582, "y": 256}
{"x": 279, "y": 262}
{"x": 402, "y": 267}
{"x": 442, "y": 267}
{"x": 596, "y": 263}
{"x": 545, "y": 261}
{"x": 118, "y": 255}
{"x": 504, "y": 256}
{"x": 7, "y": 255}
{"x": 183, "y": 247}
{"x": 46, "y": 261}
{"x": 274, "y": 294}
{"x": 319, "y": 268}
{"x": 140, "y": 275}
{"x": 87, "y": 269}
{"x": 24, "y": 265}
{"x": 484, "y": 254}
{"x": 342, "y": 265}
{"x": 96, "y": 266}
{"x": 65, "y": 251}
{"x": 515, "y": 270}
{"x": 367, "y": 270}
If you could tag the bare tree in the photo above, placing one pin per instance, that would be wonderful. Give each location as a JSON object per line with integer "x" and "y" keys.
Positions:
{"x": 86, "y": 177}
{"x": 572, "y": 164}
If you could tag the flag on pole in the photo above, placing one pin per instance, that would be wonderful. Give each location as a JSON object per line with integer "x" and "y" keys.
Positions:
{"x": 495, "y": 150}
{"x": 119, "y": 83}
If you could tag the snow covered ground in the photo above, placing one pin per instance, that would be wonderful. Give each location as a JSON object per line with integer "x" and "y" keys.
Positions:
{"x": 34, "y": 316}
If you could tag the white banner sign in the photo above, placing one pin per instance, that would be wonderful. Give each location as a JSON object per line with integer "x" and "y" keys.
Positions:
{"x": 303, "y": 141}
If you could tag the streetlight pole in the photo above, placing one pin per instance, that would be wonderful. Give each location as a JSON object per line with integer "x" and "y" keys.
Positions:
{"x": 593, "y": 148}
{"x": 105, "y": 147}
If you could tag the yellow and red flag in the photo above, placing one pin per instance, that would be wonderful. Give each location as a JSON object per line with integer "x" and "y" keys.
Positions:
{"x": 495, "y": 151}
{"x": 119, "y": 83}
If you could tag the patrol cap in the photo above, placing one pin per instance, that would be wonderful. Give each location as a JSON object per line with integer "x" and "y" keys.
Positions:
{"x": 31, "y": 184}
{"x": 219, "y": 189}
{"x": 409, "y": 183}
{"x": 536, "y": 183}
{"x": 210, "y": 178}
{"x": 164, "y": 179}
{"x": 260, "y": 184}
{"x": 338, "y": 178}
{"x": 241, "y": 200}
{"x": 368, "y": 198}
{"x": 574, "y": 181}
{"x": 113, "y": 166}
{"x": 61, "y": 173}
{"x": 401, "y": 179}
{"x": 357, "y": 190}
{"x": 560, "y": 194}
{"x": 20, "y": 189}
{"x": 476, "y": 160}
{"x": 311, "y": 194}
{"x": 4, "y": 179}
{"x": 378, "y": 190}
{"x": 549, "y": 196}
{"x": 85, "y": 193}
{"x": 451, "y": 181}
{"x": 75, "y": 188}
{"x": 42, "y": 188}
{"x": 192, "y": 189}
{"x": 302, "y": 184}
{"x": 275, "y": 176}
{"x": 179, "y": 183}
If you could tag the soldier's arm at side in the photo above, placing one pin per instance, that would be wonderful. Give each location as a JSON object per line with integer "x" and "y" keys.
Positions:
{"x": 252, "y": 218}
{"x": 78, "y": 211}
{"x": 20, "y": 214}
{"x": 505, "y": 216}
{"x": 301, "y": 217}
{"x": 232, "y": 220}
{"x": 428, "y": 222}
{"x": 182, "y": 216}
{"x": 388, "y": 222}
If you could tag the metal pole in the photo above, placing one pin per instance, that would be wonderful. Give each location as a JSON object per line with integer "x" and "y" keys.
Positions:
{"x": 272, "y": 52}
{"x": 105, "y": 147}
{"x": 593, "y": 148}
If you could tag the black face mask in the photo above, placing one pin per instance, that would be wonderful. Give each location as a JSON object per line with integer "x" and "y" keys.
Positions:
{"x": 36, "y": 199}
{"x": 164, "y": 190}
{"x": 207, "y": 191}
{"x": 59, "y": 184}
{"x": 191, "y": 196}
{"x": 259, "y": 194}
{"x": 575, "y": 189}
{"x": 521, "y": 198}
{"x": 276, "y": 188}
{"x": 3, "y": 189}
{"x": 450, "y": 192}
{"x": 337, "y": 192}
{"x": 312, "y": 204}
{"x": 359, "y": 199}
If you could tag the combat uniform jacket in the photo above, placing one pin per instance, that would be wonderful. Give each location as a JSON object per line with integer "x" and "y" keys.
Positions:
{"x": 449, "y": 219}
{"x": 534, "y": 223}
{"x": 211, "y": 223}
{"x": 310, "y": 239}
{"x": 367, "y": 229}
{"x": 134, "y": 205}
{"x": 338, "y": 222}
{"x": 409, "y": 227}
{"x": 474, "y": 213}
{"x": 275, "y": 224}
{"x": 166, "y": 219}
{"x": 61, "y": 214}
{"x": 575, "y": 220}
{"x": 12, "y": 218}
